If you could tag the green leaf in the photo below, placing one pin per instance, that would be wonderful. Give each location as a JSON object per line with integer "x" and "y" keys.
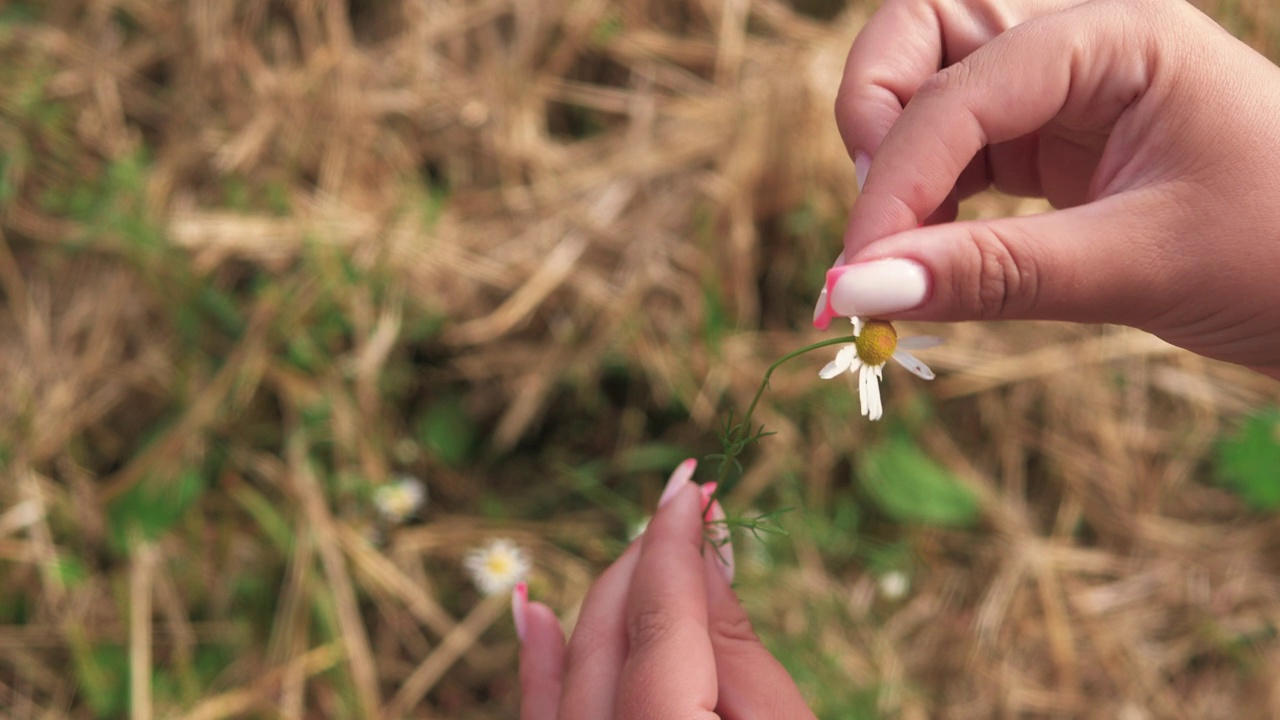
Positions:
{"x": 1248, "y": 462}
{"x": 71, "y": 571}
{"x": 447, "y": 431}
{"x": 265, "y": 513}
{"x": 102, "y": 674}
{"x": 152, "y": 507}
{"x": 910, "y": 487}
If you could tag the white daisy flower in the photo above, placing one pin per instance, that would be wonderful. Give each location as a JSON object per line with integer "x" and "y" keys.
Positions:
{"x": 893, "y": 585}
{"x": 399, "y": 499}
{"x": 497, "y": 566}
{"x": 877, "y": 342}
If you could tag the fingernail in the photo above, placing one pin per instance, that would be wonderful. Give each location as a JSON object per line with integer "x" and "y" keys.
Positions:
{"x": 719, "y": 538}
{"x": 519, "y": 607}
{"x": 707, "y": 491}
{"x": 877, "y": 288}
{"x": 683, "y": 473}
{"x": 821, "y": 307}
{"x": 861, "y": 166}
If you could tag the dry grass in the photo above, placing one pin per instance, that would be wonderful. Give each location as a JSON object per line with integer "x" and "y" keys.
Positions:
{"x": 247, "y": 246}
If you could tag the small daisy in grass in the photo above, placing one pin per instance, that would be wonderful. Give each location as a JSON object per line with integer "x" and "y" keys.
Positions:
{"x": 401, "y": 498}
{"x": 497, "y": 566}
{"x": 893, "y": 585}
{"x": 877, "y": 342}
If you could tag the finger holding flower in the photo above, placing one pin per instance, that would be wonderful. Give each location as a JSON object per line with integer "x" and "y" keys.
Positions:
{"x": 660, "y": 634}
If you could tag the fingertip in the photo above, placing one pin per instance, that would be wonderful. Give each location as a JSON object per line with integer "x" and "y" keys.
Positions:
{"x": 679, "y": 478}
{"x": 676, "y": 511}
{"x": 541, "y": 663}
{"x": 541, "y": 623}
{"x": 543, "y": 640}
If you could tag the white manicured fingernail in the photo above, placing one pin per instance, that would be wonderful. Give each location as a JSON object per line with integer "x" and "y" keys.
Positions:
{"x": 720, "y": 541}
{"x": 519, "y": 607}
{"x": 861, "y": 166}
{"x": 679, "y": 478}
{"x": 821, "y": 306}
{"x": 878, "y": 287}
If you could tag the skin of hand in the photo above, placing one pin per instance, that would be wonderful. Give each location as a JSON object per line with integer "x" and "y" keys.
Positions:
{"x": 660, "y": 634}
{"x": 1153, "y": 132}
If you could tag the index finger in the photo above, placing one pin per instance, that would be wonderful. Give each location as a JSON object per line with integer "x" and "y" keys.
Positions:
{"x": 670, "y": 669}
{"x": 1051, "y": 67}
{"x": 900, "y": 47}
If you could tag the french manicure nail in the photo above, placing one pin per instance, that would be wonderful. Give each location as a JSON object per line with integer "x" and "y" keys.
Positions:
{"x": 721, "y": 542}
{"x": 861, "y": 166}
{"x": 707, "y": 491}
{"x": 519, "y": 607}
{"x": 876, "y": 288}
{"x": 821, "y": 307}
{"x": 683, "y": 473}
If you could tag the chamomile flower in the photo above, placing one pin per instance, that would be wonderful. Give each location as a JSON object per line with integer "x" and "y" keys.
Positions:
{"x": 877, "y": 342}
{"x": 893, "y": 585}
{"x": 399, "y": 499}
{"x": 497, "y": 566}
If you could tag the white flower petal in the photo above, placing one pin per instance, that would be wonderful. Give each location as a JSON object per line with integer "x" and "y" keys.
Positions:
{"x": 857, "y": 325}
{"x": 871, "y": 392}
{"x": 844, "y": 360}
{"x": 497, "y": 566}
{"x": 919, "y": 342}
{"x": 893, "y": 585}
{"x": 400, "y": 499}
{"x": 912, "y": 364}
{"x": 863, "y": 374}
{"x": 830, "y": 370}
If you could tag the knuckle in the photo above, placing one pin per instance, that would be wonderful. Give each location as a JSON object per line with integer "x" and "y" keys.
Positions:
{"x": 1007, "y": 282}
{"x": 648, "y": 627}
{"x": 734, "y": 629}
{"x": 946, "y": 81}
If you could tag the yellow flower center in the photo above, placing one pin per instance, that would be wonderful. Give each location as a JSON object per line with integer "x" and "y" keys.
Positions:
{"x": 498, "y": 564}
{"x": 877, "y": 342}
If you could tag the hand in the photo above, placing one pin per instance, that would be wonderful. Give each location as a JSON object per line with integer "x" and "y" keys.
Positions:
{"x": 1153, "y": 129}
{"x": 660, "y": 635}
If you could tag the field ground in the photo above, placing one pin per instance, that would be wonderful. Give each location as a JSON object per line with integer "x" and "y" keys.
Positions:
{"x": 261, "y": 258}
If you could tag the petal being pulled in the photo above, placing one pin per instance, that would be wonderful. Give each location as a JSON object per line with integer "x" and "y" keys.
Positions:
{"x": 843, "y": 362}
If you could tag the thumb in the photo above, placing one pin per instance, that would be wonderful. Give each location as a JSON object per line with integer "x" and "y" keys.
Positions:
{"x": 1099, "y": 262}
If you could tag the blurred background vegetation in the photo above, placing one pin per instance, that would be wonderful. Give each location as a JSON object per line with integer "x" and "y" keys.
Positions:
{"x": 261, "y": 258}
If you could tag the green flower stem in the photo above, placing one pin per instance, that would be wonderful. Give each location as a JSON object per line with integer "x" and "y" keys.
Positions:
{"x": 737, "y": 437}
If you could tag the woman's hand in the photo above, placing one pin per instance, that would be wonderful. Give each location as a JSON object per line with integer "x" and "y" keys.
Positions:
{"x": 1154, "y": 131}
{"x": 660, "y": 634}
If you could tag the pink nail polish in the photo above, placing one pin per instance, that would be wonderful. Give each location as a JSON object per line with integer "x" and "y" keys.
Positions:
{"x": 823, "y": 314}
{"x": 683, "y": 473}
{"x": 821, "y": 306}
{"x": 519, "y": 607}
